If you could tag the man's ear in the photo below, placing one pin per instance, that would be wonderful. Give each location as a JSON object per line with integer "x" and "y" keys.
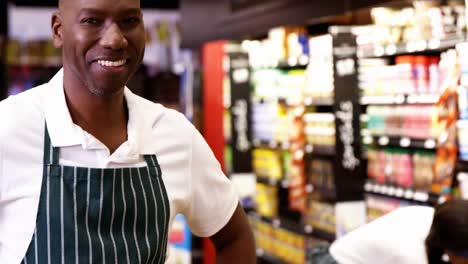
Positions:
{"x": 57, "y": 29}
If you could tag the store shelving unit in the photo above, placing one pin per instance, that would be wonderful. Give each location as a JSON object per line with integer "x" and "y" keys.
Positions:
{"x": 434, "y": 46}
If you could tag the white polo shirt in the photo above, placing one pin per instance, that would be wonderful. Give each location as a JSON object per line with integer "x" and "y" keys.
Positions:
{"x": 195, "y": 183}
{"x": 397, "y": 237}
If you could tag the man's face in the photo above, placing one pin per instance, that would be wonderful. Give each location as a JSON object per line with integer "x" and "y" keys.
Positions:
{"x": 103, "y": 42}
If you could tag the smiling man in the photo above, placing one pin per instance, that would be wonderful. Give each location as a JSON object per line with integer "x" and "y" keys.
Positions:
{"x": 91, "y": 173}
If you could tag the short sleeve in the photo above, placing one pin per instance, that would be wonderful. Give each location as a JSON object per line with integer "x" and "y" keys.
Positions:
{"x": 213, "y": 198}
{"x": 397, "y": 237}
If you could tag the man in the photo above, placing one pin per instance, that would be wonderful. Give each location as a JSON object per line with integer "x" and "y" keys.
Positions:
{"x": 410, "y": 235}
{"x": 91, "y": 173}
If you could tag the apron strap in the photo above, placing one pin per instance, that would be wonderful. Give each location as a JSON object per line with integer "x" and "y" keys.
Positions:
{"x": 51, "y": 153}
{"x": 152, "y": 162}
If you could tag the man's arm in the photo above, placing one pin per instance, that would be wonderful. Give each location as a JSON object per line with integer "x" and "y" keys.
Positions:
{"x": 235, "y": 241}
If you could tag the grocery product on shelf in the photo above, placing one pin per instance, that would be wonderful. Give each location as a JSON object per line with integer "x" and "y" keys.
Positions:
{"x": 268, "y": 163}
{"x": 266, "y": 200}
{"x": 411, "y": 74}
{"x": 321, "y": 215}
{"x": 321, "y": 174}
{"x": 278, "y": 242}
{"x": 425, "y": 20}
{"x": 413, "y": 121}
{"x": 401, "y": 167}
{"x": 319, "y": 72}
{"x": 319, "y": 128}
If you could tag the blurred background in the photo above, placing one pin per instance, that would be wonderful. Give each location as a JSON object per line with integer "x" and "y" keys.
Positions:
{"x": 325, "y": 114}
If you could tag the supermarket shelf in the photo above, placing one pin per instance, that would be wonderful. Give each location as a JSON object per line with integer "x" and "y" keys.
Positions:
{"x": 291, "y": 63}
{"x": 399, "y": 99}
{"x": 401, "y": 193}
{"x": 270, "y": 144}
{"x": 403, "y": 142}
{"x": 373, "y": 51}
{"x": 265, "y": 257}
{"x": 300, "y": 62}
{"x": 318, "y": 101}
{"x": 320, "y": 149}
{"x": 273, "y": 182}
{"x": 295, "y": 227}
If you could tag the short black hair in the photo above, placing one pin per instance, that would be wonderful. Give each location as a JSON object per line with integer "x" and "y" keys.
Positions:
{"x": 449, "y": 230}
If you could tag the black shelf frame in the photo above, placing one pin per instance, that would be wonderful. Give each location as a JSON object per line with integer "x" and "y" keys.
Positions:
{"x": 318, "y": 101}
{"x": 402, "y": 193}
{"x": 321, "y": 150}
{"x": 400, "y": 142}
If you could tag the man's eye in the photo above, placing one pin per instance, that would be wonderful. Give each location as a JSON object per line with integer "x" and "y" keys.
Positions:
{"x": 132, "y": 21}
{"x": 90, "y": 21}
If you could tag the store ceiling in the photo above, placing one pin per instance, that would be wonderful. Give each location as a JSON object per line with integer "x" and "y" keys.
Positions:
{"x": 159, "y": 4}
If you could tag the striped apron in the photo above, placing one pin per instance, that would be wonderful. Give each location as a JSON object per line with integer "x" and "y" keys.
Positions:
{"x": 89, "y": 215}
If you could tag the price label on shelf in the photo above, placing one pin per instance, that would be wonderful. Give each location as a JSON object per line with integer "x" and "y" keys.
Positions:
{"x": 421, "y": 196}
{"x": 391, "y": 191}
{"x": 385, "y": 190}
{"x": 399, "y": 99}
{"x": 399, "y": 192}
{"x": 411, "y": 46}
{"x": 276, "y": 223}
{"x": 409, "y": 194}
{"x": 379, "y": 51}
{"x": 285, "y": 184}
{"x": 421, "y": 45}
{"x": 256, "y": 143}
{"x": 367, "y": 187}
{"x": 383, "y": 141}
{"x": 309, "y": 148}
{"x": 273, "y": 144}
{"x": 303, "y": 60}
{"x": 308, "y": 229}
{"x": 391, "y": 49}
{"x": 430, "y": 144}
{"x": 434, "y": 44}
{"x": 292, "y": 61}
{"x": 405, "y": 142}
{"x": 367, "y": 140}
{"x": 309, "y": 188}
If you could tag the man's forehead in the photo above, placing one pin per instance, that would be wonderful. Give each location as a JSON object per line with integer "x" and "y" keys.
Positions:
{"x": 78, "y": 4}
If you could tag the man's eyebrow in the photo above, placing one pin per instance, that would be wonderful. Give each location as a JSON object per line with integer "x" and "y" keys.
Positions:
{"x": 131, "y": 11}
{"x": 91, "y": 11}
{"x": 94, "y": 11}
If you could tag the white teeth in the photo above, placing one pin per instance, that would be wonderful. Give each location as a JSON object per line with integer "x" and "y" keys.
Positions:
{"x": 111, "y": 63}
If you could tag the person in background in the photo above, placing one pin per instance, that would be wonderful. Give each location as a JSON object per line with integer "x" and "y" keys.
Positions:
{"x": 409, "y": 235}
{"x": 92, "y": 173}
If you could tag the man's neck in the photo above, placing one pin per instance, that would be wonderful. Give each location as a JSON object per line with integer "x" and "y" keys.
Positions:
{"x": 104, "y": 117}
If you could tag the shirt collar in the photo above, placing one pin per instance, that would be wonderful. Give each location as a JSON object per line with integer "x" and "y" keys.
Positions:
{"x": 64, "y": 133}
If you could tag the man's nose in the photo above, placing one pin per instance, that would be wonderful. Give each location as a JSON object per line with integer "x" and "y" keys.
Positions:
{"x": 113, "y": 38}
